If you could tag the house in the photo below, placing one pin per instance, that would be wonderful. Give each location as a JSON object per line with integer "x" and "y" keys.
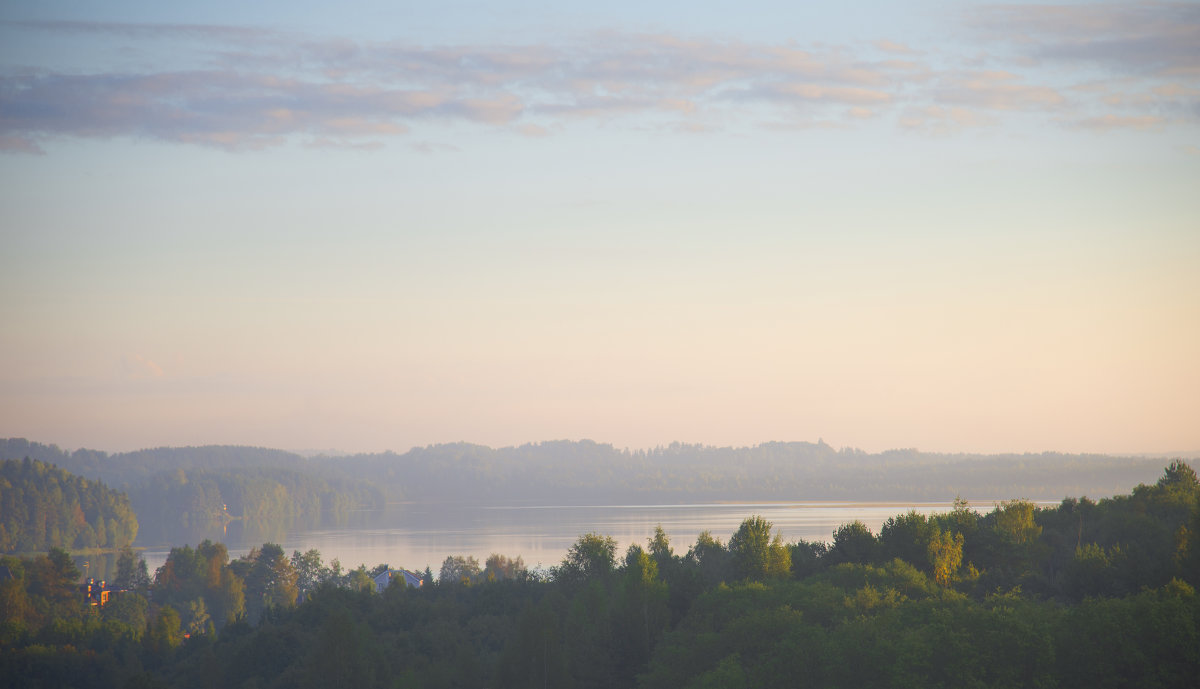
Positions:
{"x": 95, "y": 593}
{"x": 384, "y": 579}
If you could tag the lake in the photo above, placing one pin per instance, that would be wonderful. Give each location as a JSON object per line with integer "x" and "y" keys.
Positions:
{"x": 417, "y": 535}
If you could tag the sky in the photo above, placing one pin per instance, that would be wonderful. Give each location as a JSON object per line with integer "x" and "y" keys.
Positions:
{"x": 954, "y": 226}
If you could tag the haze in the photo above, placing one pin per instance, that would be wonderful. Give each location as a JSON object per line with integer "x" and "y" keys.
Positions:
{"x": 945, "y": 225}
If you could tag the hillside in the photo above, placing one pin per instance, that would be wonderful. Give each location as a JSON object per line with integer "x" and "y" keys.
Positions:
{"x": 43, "y": 506}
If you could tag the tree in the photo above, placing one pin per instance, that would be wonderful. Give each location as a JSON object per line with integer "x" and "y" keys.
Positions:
{"x": 198, "y": 619}
{"x": 458, "y": 569}
{"x": 711, "y": 557}
{"x": 309, "y": 570}
{"x": 1015, "y": 522}
{"x": 755, "y": 555}
{"x": 63, "y": 566}
{"x": 854, "y": 543}
{"x": 348, "y": 653}
{"x": 128, "y": 608}
{"x": 132, "y": 574}
{"x": 945, "y": 555}
{"x": 808, "y": 557}
{"x": 230, "y": 597}
{"x": 660, "y": 546}
{"x": 270, "y": 580}
{"x": 593, "y": 556}
{"x": 499, "y": 567}
{"x": 640, "y": 615}
{"x": 359, "y": 580}
{"x": 907, "y": 537}
{"x": 166, "y": 633}
{"x": 1179, "y": 474}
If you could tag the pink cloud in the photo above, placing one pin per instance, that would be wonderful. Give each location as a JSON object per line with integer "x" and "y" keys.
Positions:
{"x": 20, "y": 144}
{"x": 1107, "y": 122}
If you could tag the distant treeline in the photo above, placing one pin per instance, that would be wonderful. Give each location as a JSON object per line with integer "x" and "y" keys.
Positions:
{"x": 1081, "y": 594}
{"x": 42, "y": 506}
{"x": 589, "y": 471}
{"x": 191, "y": 493}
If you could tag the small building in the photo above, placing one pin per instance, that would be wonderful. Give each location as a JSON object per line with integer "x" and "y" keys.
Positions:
{"x": 95, "y": 593}
{"x": 384, "y": 579}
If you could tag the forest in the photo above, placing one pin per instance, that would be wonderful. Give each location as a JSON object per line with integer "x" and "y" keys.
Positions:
{"x": 187, "y": 494}
{"x": 43, "y": 506}
{"x": 1081, "y": 594}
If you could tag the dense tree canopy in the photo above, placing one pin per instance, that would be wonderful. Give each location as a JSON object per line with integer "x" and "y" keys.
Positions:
{"x": 42, "y": 506}
{"x": 756, "y": 555}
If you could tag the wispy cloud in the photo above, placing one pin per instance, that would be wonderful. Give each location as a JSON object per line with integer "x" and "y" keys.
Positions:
{"x": 995, "y": 90}
{"x": 20, "y": 144}
{"x": 260, "y": 89}
{"x": 894, "y": 47}
{"x": 226, "y": 109}
{"x": 942, "y": 120}
{"x": 1136, "y": 37}
{"x": 249, "y": 88}
{"x": 1141, "y": 59}
{"x": 137, "y": 366}
{"x": 1105, "y": 122}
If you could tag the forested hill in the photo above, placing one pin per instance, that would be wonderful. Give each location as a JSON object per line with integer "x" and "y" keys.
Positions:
{"x": 589, "y": 471}
{"x": 42, "y": 506}
{"x": 184, "y": 494}
{"x": 586, "y": 471}
{"x": 129, "y": 468}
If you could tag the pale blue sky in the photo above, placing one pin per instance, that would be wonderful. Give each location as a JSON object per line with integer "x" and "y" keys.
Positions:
{"x": 945, "y": 225}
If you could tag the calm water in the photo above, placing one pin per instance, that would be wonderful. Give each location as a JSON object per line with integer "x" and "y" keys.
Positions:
{"x": 414, "y": 536}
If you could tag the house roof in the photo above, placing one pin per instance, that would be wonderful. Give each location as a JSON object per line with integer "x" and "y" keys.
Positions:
{"x": 410, "y": 579}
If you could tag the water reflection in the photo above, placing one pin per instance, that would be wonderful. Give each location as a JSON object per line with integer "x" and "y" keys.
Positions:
{"x": 100, "y": 566}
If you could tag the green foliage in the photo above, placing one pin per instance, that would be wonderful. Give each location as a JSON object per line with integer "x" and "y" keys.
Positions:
{"x": 1180, "y": 477}
{"x": 203, "y": 573}
{"x": 129, "y": 609}
{"x": 311, "y": 572}
{"x": 270, "y": 580}
{"x": 42, "y": 506}
{"x": 710, "y": 558}
{"x": 1150, "y": 639}
{"x": 499, "y": 567}
{"x": 908, "y": 537}
{"x": 945, "y": 552}
{"x": 131, "y": 571}
{"x": 593, "y": 556}
{"x": 660, "y": 546}
{"x": 853, "y": 543}
{"x": 165, "y": 633}
{"x": 361, "y": 581}
{"x": 755, "y": 555}
{"x": 1013, "y": 521}
{"x": 459, "y": 570}
{"x": 808, "y": 558}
